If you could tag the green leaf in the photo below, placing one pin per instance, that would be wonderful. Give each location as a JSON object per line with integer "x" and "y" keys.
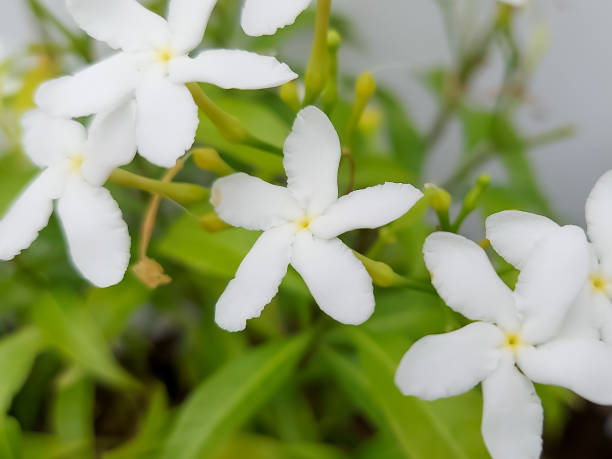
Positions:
{"x": 73, "y": 407}
{"x": 231, "y": 396}
{"x": 10, "y": 439}
{"x": 72, "y": 330}
{"x": 17, "y": 354}
{"x": 113, "y": 306}
{"x": 44, "y": 446}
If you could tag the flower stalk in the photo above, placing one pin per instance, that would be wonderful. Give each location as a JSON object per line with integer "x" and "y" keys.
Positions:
{"x": 316, "y": 72}
{"x": 183, "y": 193}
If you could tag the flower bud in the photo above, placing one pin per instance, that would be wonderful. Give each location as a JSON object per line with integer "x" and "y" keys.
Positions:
{"x": 209, "y": 160}
{"x": 471, "y": 200}
{"x": 289, "y": 94}
{"x": 439, "y": 198}
{"x": 212, "y": 223}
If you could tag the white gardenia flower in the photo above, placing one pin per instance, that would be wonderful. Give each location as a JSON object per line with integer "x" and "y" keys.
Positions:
{"x": 265, "y": 17}
{"x": 151, "y": 68}
{"x": 514, "y": 234}
{"x": 301, "y": 223}
{"x": 513, "y": 341}
{"x": 75, "y": 164}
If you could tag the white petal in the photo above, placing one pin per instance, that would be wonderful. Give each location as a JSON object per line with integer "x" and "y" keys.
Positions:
{"x": 124, "y": 24}
{"x": 265, "y": 17}
{"x": 336, "y": 278}
{"x": 167, "y": 120}
{"x": 604, "y": 315}
{"x": 47, "y": 139}
{"x": 99, "y": 88}
{"x": 29, "y": 213}
{"x": 450, "y": 364}
{"x": 187, "y": 20}
{"x": 257, "y": 279}
{"x": 111, "y": 143}
{"x": 582, "y": 365}
{"x": 369, "y": 208}
{"x": 97, "y": 236}
{"x": 231, "y": 69}
{"x": 464, "y": 278}
{"x": 581, "y": 320}
{"x": 598, "y": 212}
{"x": 550, "y": 282}
{"x": 512, "y": 415}
{"x": 514, "y": 234}
{"x": 312, "y": 156}
{"x": 249, "y": 202}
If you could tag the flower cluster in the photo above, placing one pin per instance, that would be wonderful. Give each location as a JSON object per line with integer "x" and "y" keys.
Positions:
{"x": 554, "y": 328}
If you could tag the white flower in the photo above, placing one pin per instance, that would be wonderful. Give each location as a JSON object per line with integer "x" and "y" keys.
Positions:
{"x": 514, "y": 234}
{"x": 152, "y": 68}
{"x": 265, "y": 17}
{"x": 76, "y": 164}
{"x": 301, "y": 223}
{"x": 514, "y": 341}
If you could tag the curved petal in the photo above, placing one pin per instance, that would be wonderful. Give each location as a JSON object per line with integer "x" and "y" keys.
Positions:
{"x": 30, "y": 213}
{"x": 312, "y": 157}
{"x": 249, "y": 202}
{"x": 368, "y": 208}
{"x": 464, "y": 278}
{"x": 550, "y": 281}
{"x": 582, "y": 319}
{"x": 512, "y": 414}
{"x": 438, "y": 366}
{"x": 599, "y": 220}
{"x": 111, "y": 143}
{"x": 265, "y": 17}
{"x": 47, "y": 139}
{"x": 604, "y": 314}
{"x": 187, "y": 20}
{"x": 231, "y": 69}
{"x": 124, "y": 24}
{"x": 582, "y": 365}
{"x": 339, "y": 283}
{"x": 257, "y": 279}
{"x": 514, "y": 234}
{"x": 98, "y": 88}
{"x": 97, "y": 236}
{"x": 167, "y": 120}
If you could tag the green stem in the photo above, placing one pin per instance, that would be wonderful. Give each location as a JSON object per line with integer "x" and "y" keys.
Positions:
{"x": 230, "y": 127}
{"x": 183, "y": 193}
{"x": 316, "y": 72}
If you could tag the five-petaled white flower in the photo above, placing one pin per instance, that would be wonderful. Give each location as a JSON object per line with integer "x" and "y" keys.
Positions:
{"x": 301, "y": 223}
{"x": 265, "y": 17}
{"x": 76, "y": 164}
{"x": 514, "y": 341}
{"x": 152, "y": 68}
{"x": 514, "y": 234}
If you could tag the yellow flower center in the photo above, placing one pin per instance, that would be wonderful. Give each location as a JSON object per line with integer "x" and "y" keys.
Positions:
{"x": 513, "y": 341}
{"x": 76, "y": 162}
{"x": 303, "y": 223}
{"x": 598, "y": 283}
{"x": 164, "y": 55}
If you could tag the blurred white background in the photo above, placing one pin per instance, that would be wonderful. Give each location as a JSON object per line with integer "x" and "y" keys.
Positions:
{"x": 399, "y": 38}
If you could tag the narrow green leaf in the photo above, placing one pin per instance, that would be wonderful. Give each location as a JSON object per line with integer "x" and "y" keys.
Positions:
{"x": 231, "y": 396}
{"x": 10, "y": 439}
{"x": 73, "y": 406}
{"x": 72, "y": 330}
{"x": 17, "y": 354}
